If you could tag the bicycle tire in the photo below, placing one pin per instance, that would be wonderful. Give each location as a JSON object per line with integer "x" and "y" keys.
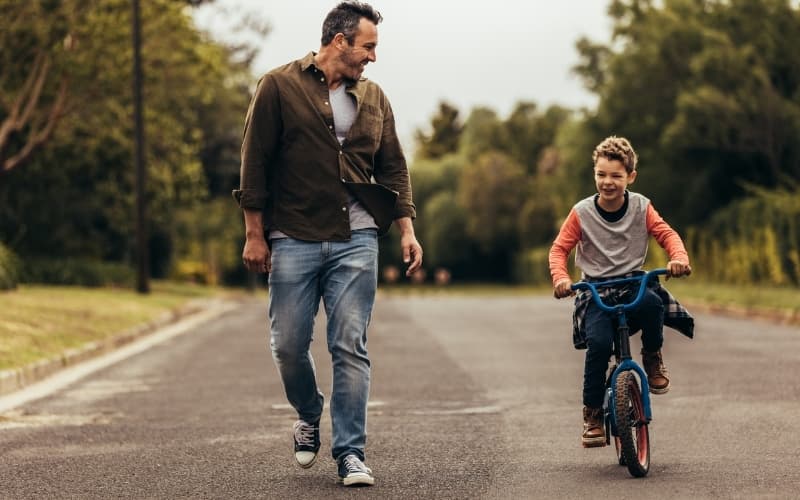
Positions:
{"x": 608, "y": 415}
{"x": 632, "y": 427}
{"x": 618, "y": 449}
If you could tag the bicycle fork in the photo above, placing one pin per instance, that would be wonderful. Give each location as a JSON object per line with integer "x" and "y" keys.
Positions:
{"x": 624, "y": 363}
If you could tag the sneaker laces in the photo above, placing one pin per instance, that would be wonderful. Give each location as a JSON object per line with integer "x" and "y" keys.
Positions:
{"x": 304, "y": 433}
{"x": 354, "y": 465}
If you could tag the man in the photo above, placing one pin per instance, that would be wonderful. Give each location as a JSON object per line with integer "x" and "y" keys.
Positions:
{"x": 322, "y": 176}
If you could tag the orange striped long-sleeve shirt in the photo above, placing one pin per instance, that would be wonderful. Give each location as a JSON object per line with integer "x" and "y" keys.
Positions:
{"x": 607, "y": 249}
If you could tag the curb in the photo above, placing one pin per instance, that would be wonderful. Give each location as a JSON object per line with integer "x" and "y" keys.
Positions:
{"x": 778, "y": 316}
{"x": 18, "y": 378}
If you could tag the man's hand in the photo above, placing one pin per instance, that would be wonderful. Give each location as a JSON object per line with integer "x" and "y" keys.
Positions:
{"x": 410, "y": 247}
{"x": 562, "y": 289}
{"x": 256, "y": 255}
{"x": 677, "y": 269}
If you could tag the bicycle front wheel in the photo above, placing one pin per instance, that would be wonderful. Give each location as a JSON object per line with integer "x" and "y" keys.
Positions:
{"x": 632, "y": 430}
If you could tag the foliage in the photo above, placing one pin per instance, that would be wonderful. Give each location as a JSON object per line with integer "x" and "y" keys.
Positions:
{"x": 489, "y": 199}
{"x": 34, "y": 74}
{"x": 708, "y": 92}
{"x": 491, "y": 190}
{"x": 9, "y": 269}
{"x": 483, "y": 131}
{"x": 754, "y": 240}
{"x": 208, "y": 240}
{"x": 444, "y": 136}
{"x": 74, "y": 198}
{"x": 536, "y": 219}
{"x": 532, "y": 266}
{"x": 529, "y": 134}
{"x": 432, "y": 179}
{"x": 76, "y": 271}
{"x": 447, "y": 243}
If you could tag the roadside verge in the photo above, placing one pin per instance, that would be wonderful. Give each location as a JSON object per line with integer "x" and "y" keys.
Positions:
{"x": 15, "y": 379}
{"x": 779, "y": 316}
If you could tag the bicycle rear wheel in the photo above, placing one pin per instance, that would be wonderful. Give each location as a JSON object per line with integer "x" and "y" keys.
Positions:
{"x": 634, "y": 438}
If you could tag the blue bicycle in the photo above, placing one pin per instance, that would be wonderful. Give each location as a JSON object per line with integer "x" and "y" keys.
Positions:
{"x": 626, "y": 407}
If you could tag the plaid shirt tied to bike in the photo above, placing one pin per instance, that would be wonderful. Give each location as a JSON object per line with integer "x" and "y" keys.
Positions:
{"x": 675, "y": 315}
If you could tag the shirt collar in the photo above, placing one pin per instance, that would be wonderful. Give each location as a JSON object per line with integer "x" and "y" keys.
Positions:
{"x": 357, "y": 88}
{"x": 307, "y": 61}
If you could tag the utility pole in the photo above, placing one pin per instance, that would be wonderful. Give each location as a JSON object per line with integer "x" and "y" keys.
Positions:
{"x": 142, "y": 261}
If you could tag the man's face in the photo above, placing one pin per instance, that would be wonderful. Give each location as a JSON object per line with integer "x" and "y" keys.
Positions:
{"x": 356, "y": 56}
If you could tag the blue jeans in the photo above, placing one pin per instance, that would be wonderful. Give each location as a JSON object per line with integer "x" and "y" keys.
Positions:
{"x": 601, "y": 328}
{"x": 344, "y": 274}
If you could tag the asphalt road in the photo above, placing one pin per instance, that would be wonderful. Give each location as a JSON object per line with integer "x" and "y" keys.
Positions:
{"x": 472, "y": 397}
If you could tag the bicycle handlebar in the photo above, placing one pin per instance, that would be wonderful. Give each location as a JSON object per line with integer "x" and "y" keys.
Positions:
{"x": 642, "y": 278}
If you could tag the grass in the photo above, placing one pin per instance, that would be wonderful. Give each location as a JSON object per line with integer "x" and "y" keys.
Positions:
{"x": 764, "y": 298}
{"x": 40, "y": 322}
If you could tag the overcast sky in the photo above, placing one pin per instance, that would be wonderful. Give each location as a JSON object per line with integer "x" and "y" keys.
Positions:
{"x": 492, "y": 53}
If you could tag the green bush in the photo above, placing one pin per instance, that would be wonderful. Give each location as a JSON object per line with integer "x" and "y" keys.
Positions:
{"x": 9, "y": 268}
{"x": 208, "y": 241}
{"x": 77, "y": 272}
{"x": 754, "y": 240}
{"x": 532, "y": 266}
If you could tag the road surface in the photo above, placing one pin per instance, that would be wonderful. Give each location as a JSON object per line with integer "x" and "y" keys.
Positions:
{"x": 472, "y": 397}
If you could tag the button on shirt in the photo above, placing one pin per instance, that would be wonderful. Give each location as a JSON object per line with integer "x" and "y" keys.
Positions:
{"x": 295, "y": 170}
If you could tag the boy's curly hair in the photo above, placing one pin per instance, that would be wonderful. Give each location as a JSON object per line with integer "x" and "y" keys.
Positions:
{"x": 616, "y": 148}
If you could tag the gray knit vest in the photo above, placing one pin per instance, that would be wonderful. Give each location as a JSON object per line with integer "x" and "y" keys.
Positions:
{"x": 609, "y": 249}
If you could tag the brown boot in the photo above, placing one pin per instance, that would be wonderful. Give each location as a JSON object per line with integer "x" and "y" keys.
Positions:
{"x": 594, "y": 432}
{"x": 657, "y": 374}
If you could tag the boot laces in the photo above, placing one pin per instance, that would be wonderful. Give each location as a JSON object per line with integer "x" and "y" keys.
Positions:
{"x": 594, "y": 417}
{"x": 655, "y": 364}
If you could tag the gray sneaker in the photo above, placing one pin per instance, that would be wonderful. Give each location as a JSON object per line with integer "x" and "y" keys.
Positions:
{"x": 353, "y": 472}
{"x": 306, "y": 443}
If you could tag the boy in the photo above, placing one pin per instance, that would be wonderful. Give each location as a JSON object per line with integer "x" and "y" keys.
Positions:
{"x": 611, "y": 230}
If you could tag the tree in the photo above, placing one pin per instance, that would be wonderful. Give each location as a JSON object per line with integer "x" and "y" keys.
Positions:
{"x": 447, "y": 243}
{"x": 74, "y": 197}
{"x": 491, "y": 191}
{"x": 707, "y": 93}
{"x": 529, "y": 132}
{"x": 33, "y": 75}
{"x": 444, "y": 136}
{"x": 483, "y": 132}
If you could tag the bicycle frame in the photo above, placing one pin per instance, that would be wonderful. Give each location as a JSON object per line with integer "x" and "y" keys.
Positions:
{"x": 623, "y": 341}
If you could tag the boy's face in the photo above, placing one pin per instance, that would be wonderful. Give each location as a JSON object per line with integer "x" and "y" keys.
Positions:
{"x": 611, "y": 180}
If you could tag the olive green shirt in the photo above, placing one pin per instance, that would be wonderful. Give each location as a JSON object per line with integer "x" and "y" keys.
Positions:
{"x": 298, "y": 174}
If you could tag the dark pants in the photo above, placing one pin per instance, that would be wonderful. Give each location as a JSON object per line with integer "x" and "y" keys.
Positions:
{"x": 600, "y": 331}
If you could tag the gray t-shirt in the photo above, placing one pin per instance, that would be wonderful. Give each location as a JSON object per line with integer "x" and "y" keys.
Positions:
{"x": 344, "y": 114}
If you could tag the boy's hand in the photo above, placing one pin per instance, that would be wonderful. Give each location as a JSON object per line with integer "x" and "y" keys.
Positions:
{"x": 677, "y": 269}
{"x": 562, "y": 289}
